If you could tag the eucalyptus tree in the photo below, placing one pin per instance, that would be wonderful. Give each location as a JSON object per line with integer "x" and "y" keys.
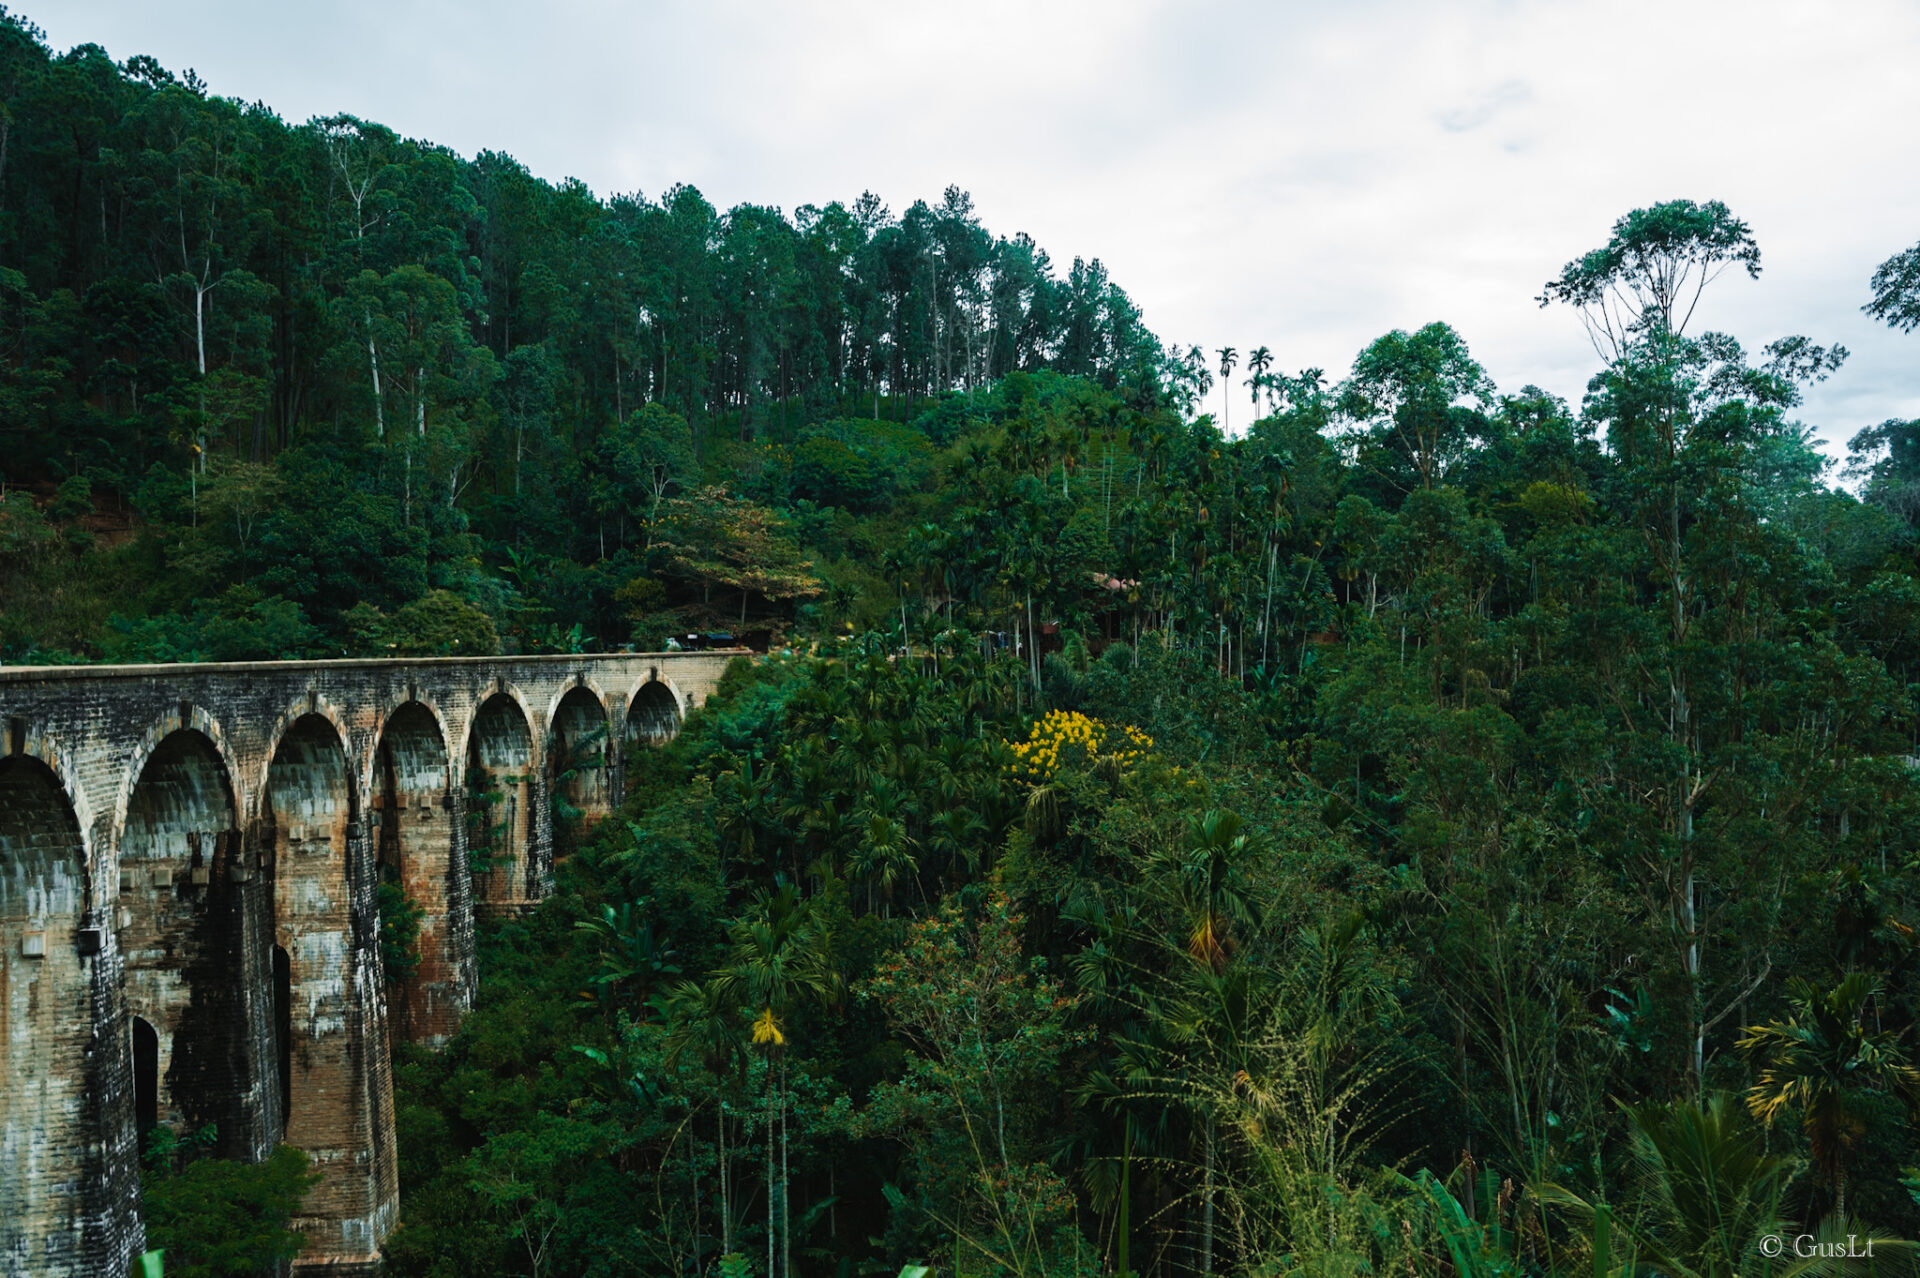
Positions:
{"x": 1636, "y": 295}
{"x": 1646, "y": 280}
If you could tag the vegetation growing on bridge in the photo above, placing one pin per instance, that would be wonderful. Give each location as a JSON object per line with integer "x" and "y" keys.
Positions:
{"x": 1405, "y": 837}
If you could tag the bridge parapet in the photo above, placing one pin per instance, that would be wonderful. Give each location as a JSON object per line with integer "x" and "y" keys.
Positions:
{"x": 190, "y": 857}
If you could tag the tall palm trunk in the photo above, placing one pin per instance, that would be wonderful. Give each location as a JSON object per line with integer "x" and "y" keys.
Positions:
{"x": 786, "y": 1222}
{"x": 770, "y": 1184}
{"x": 726, "y": 1195}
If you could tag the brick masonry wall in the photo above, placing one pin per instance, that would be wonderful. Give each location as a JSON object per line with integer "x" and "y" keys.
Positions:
{"x": 281, "y": 785}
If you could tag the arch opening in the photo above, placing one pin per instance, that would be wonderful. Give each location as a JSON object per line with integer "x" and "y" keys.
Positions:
{"x": 41, "y": 855}
{"x": 308, "y": 783}
{"x": 146, "y": 1078}
{"x": 417, "y": 892}
{"x": 283, "y": 1032}
{"x": 45, "y": 983}
{"x": 181, "y": 803}
{"x": 499, "y": 802}
{"x": 178, "y": 950}
{"x": 582, "y": 788}
{"x": 653, "y": 718}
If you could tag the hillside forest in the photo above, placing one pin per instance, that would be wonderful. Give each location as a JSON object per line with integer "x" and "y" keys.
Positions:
{"x": 1183, "y": 816}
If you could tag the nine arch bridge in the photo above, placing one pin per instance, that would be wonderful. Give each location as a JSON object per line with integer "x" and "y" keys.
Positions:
{"x": 189, "y": 864}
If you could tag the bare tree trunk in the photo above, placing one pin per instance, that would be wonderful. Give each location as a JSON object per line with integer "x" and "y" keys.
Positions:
{"x": 200, "y": 291}
{"x": 373, "y": 362}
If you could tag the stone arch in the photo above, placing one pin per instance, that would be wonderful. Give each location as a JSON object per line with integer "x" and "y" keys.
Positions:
{"x": 410, "y": 751}
{"x": 410, "y": 699}
{"x": 180, "y": 801}
{"x": 314, "y": 707}
{"x": 580, "y": 686}
{"x": 503, "y": 792}
{"x": 577, "y": 752}
{"x": 495, "y": 689}
{"x": 308, "y": 782}
{"x": 655, "y": 711}
{"x": 46, "y": 1016}
{"x": 420, "y": 851}
{"x": 189, "y": 718}
{"x": 182, "y": 870}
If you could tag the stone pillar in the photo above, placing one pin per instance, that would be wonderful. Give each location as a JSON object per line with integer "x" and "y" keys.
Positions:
{"x": 68, "y": 1188}
{"x": 463, "y": 963}
{"x": 339, "y": 1106}
{"x": 539, "y": 835}
{"x": 421, "y": 845}
{"x": 110, "y": 1166}
{"x": 188, "y": 883}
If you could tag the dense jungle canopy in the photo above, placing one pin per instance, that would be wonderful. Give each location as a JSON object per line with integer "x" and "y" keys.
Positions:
{"x": 1428, "y": 829}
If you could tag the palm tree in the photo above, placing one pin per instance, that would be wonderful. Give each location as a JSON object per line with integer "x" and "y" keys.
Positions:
{"x": 1212, "y": 1017}
{"x": 629, "y": 950}
{"x": 705, "y": 1020}
{"x": 1258, "y": 362}
{"x": 883, "y": 856}
{"x": 958, "y": 836}
{"x": 1228, "y": 358}
{"x": 1206, "y": 879}
{"x": 1820, "y": 1060}
{"x": 1197, "y": 375}
{"x": 1708, "y": 1190}
{"x": 780, "y": 962}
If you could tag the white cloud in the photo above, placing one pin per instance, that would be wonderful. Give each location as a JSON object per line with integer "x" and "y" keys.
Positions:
{"x": 1301, "y": 176}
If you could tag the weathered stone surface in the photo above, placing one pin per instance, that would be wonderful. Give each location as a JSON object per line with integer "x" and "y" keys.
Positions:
{"x": 189, "y": 865}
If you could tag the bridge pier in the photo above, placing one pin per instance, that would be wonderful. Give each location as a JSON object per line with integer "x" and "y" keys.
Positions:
{"x": 190, "y": 862}
{"x": 422, "y": 850}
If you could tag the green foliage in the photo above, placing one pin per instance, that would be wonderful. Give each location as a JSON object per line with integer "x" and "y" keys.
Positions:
{"x": 1705, "y": 1190}
{"x": 400, "y": 917}
{"x": 1489, "y": 758}
{"x": 437, "y": 624}
{"x": 863, "y": 466}
{"x": 214, "y": 1216}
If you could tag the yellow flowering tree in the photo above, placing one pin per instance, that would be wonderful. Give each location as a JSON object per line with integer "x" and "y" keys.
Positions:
{"x": 1067, "y": 737}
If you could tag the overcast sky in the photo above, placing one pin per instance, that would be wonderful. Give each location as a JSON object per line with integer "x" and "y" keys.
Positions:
{"x": 1299, "y": 176}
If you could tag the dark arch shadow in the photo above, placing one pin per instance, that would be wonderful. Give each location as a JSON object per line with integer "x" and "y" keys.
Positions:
{"x": 500, "y": 821}
{"x": 653, "y": 717}
{"x": 577, "y": 762}
{"x": 146, "y": 1078}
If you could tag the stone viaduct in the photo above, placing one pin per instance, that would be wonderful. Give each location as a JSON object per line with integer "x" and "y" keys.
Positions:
{"x": 190, "y": 857}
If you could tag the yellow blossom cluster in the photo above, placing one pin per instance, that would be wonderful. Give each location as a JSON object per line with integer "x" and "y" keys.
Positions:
{"x": 1070, "y": 735}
